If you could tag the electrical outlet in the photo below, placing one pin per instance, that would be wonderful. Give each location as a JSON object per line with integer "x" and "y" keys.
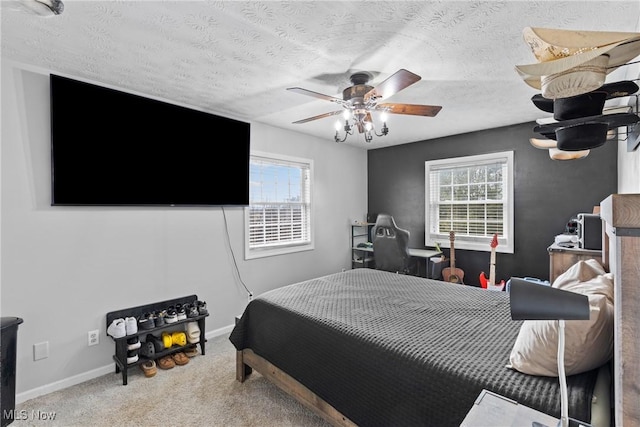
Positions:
{"x": 93, "y": 337}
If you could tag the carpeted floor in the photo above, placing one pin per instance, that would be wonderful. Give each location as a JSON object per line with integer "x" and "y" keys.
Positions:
{"x": 203, "y": 392}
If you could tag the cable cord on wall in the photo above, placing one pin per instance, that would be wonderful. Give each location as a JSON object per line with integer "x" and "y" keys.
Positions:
{"x": 233, "y": 256}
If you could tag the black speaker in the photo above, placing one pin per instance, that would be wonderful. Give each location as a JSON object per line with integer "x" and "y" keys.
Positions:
{"x": 590, "y": 231}
{"x": 372, "y": 217}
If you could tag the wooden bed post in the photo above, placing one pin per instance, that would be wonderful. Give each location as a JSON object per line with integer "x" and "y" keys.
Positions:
{"x": 621, "y": 214}
{"x": 247, "y": 360}
{"x": 243, "y": 370}
{"x": 240, "y": 372}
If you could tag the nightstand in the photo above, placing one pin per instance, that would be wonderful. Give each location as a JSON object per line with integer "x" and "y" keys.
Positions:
{"x": 491, "y": 409}
{"x": 562, "y": 258}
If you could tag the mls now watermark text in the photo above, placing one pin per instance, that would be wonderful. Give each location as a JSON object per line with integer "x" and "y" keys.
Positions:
{"x": 24, "y": 415}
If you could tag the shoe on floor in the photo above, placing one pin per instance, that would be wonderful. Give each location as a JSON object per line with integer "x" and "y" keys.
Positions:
{"x": 191, "y": 351}
{"x": 117, "y": 328}
{"x": 166, "y": 362}
{"x": 149, "y": 368}
{"x": 180, "y": 358}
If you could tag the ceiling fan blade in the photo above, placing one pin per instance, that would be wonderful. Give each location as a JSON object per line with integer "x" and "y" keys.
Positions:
{"x": 320, "y": 116}
{"x": 315, "y": 94}
{"x": 392, "y": 85}
{"x": 411, "y": 109}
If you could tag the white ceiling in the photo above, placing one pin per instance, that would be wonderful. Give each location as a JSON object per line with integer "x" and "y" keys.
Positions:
{"x": 236, "y": 59}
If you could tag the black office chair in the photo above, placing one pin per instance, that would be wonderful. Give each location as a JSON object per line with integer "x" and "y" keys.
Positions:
{"x": 390, "y": 245}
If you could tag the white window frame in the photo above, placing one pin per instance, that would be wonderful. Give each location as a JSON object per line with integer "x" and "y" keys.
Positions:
{"x": 279, "y": 248}
{"x": 462, "y": 241}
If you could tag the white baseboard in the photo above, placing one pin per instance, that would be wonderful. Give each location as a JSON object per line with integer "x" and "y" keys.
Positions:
{"x": 94, "y": 373}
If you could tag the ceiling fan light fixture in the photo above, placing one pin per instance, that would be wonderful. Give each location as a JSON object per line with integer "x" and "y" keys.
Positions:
{"x": 361, "y": 100}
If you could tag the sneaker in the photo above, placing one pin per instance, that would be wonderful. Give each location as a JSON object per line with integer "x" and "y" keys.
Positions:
{"x": 182, "y": 314}
{"x": 132, "y": 356}
{"x": 193, "y": 311}
{"x": 202, "y": 307}
{"x": 171, "y": 316}
{"x": 117, "y": 328}
{"x": 146, "y": 322}
{"x": 159, "y": 318}
{"x": 133, "y": 343}
{"x": 131, "y": 325}
{"x": 149, "y": 368}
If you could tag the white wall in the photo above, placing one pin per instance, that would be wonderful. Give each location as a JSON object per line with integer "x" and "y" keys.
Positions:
{"x": 629, "y": 162}
{"x": 64, "y": 268}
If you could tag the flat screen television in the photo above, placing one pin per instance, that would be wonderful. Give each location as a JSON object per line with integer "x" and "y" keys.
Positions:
{"x": 111, "y": 148}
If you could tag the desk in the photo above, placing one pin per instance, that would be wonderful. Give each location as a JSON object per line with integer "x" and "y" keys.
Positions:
{"x": 415, "y": 253}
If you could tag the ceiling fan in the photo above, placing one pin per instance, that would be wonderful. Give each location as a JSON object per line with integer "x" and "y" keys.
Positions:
{"x": 359, "y": 100}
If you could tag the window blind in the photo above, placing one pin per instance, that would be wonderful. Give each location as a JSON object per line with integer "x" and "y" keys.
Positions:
{"x": 280, "y": 203}
{"x": 469, "y": 198}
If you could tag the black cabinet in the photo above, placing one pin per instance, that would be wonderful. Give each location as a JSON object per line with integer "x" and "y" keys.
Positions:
{"x": 8, "y": 352}
{"x": 120, "y": 356}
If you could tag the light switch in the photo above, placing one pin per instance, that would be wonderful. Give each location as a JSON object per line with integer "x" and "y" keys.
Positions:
{"x": 41, "y": 350}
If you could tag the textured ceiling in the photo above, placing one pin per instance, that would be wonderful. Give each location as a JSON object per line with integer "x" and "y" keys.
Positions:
{"x": 236, "y": 59}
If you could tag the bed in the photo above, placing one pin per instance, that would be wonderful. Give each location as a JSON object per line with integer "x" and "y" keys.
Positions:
{"x": 368, "y": 347}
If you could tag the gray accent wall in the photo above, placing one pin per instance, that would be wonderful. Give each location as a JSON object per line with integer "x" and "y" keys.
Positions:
{"x": 548, "y": 193}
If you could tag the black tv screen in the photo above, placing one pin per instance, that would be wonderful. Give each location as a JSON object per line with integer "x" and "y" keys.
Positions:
{"x": 115, "y": 148}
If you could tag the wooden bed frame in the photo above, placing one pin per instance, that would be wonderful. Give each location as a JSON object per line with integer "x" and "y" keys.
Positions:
{"x": 247, "y": 360}
{"x": 620, "y": 254}
{"x": 621, "y": 250}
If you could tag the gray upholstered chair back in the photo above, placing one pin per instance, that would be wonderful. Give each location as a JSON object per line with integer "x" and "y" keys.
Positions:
{"x": 390, "y": 245}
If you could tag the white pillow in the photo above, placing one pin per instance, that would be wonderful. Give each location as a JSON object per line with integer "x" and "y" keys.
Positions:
{"x": 588, "y": 343}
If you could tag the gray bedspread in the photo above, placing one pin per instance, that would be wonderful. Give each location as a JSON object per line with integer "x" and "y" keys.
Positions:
{"x": 393, "y": 350}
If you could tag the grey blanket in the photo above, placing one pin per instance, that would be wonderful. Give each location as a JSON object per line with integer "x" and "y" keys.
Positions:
{"x": 394, "y": 350}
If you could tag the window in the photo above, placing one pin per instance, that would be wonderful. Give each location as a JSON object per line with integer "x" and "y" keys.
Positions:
{"x": 473, "y": 197}
{"x": 278, "y": 219}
